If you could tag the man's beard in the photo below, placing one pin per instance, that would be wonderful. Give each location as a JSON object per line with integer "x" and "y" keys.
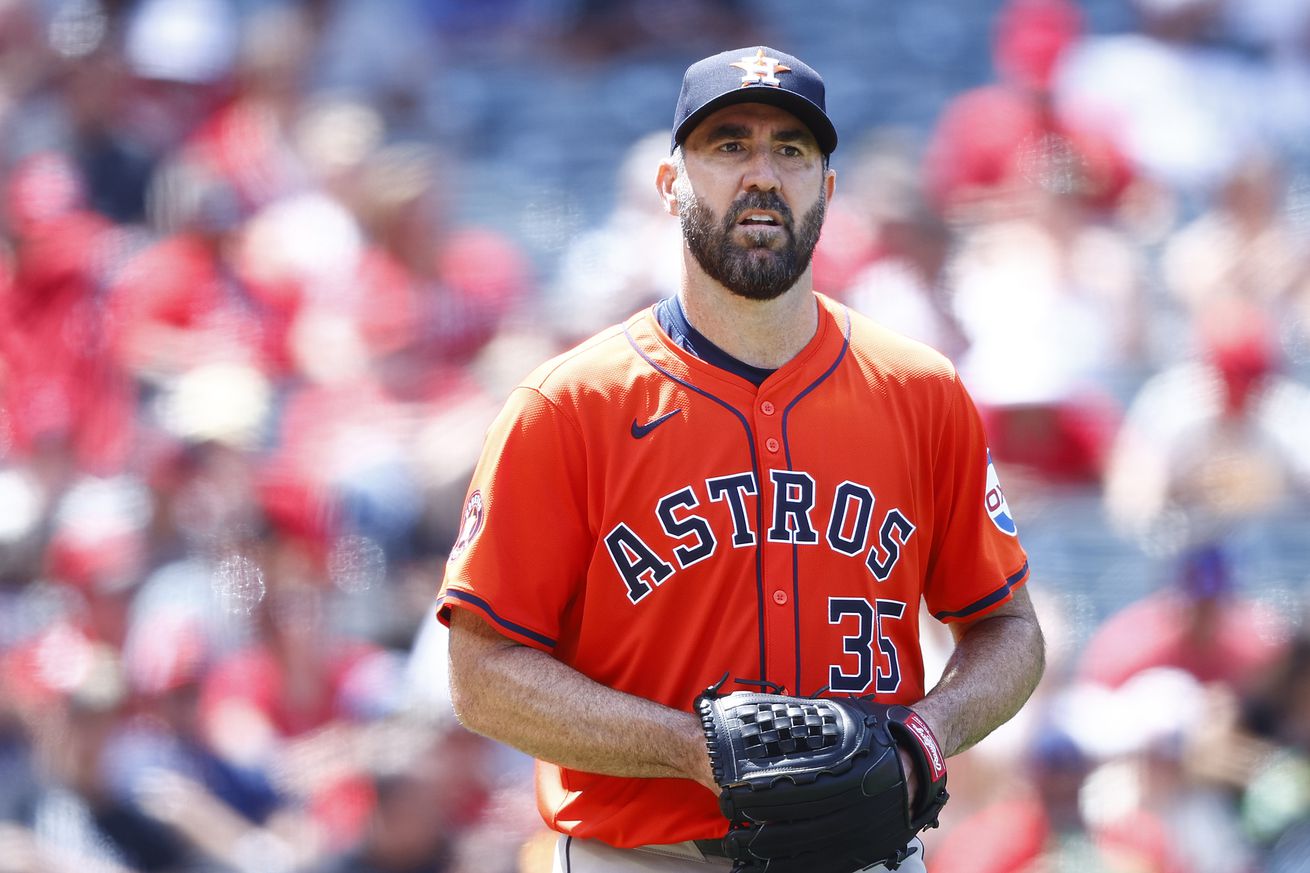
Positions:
{"x": 753, "y": 271}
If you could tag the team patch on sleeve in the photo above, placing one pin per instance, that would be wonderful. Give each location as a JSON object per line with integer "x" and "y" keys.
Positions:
{"x": 474, "y": 515}
{"x": 994, "y": 498}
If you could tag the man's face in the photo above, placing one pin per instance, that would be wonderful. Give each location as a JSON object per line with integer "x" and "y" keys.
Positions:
{"x": 752, "y": 191}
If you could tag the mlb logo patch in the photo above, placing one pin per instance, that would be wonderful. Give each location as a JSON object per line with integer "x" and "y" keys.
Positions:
{"x": 994, "y": 498}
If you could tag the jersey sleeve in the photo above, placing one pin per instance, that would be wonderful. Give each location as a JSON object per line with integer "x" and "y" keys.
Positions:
{"x": 976, "y": 559}
{"x": 523, "y": 545}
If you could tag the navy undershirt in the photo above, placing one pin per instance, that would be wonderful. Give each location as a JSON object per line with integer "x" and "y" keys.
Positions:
{"x": 669, "y": 314}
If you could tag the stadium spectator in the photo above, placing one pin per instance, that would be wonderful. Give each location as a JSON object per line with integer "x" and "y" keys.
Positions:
{"x": 1212, "y": 444}
{"x": 1199, "y": 624}
{"x": 905, "y": 283}
{"x": 65, "y": 395}
{"x": 995, "y": 143}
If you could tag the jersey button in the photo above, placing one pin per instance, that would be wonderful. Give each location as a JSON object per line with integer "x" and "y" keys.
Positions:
{"x": 780, "y": 597}
{"x": 767, "y": 408}
{"x": 771, "y": 444}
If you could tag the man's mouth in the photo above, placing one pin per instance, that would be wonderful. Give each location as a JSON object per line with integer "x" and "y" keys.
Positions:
{"x": 755, "y": 218}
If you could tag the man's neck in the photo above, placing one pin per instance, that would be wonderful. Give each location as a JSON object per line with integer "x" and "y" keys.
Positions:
{"x": 762, "y": 333}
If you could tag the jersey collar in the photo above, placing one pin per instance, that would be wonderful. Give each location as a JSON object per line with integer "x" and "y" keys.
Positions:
{"x": 823, "y": 350}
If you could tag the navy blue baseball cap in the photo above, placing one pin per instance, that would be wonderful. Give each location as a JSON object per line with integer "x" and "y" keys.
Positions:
{"x": 753, "y": 75}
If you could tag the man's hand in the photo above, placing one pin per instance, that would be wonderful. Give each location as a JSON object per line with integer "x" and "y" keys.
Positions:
{"x": 911, "y": 777}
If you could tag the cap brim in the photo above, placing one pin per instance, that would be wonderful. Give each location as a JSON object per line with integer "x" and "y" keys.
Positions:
{"x": 806, "y": 110}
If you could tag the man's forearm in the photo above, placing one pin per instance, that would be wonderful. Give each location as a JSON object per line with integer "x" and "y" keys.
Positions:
{"x": 994, "y": 669}
{"x": 527, "y": 699}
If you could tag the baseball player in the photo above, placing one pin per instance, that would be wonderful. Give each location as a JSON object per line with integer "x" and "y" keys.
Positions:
{"x": 746, "y": 482}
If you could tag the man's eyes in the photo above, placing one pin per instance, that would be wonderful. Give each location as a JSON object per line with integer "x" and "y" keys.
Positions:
{"x": 789, "y": 151}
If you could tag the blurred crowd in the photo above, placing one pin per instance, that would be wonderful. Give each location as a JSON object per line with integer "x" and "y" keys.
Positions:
{"x": 254, "y": 319}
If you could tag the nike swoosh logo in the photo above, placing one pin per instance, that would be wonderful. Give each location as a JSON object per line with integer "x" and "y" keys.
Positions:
{"x": 640, "y": 430}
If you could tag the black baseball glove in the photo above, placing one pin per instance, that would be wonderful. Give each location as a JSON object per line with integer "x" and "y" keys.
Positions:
{"x": 815, "y": 785}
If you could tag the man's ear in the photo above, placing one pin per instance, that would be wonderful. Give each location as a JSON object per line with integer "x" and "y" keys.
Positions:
{"x": 665, "y": 182}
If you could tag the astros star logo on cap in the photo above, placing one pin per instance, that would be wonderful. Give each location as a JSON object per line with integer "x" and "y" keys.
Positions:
{"x": 760, "y": 70}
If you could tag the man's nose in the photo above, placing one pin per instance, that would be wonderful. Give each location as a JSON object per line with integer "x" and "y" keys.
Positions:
{"x": 761, "y": 174}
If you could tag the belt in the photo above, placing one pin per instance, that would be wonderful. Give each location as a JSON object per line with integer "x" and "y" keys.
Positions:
{"x": 711, "y": 848}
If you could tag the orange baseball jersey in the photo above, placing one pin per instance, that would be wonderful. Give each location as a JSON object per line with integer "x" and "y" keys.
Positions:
{"x": 655, "y": 521}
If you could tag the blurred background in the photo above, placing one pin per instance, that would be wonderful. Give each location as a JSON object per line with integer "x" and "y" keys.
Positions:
{"x": 268, "y": 268}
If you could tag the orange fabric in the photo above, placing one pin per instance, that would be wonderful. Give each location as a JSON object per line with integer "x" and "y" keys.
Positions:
{"x": 648, "y": 563}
